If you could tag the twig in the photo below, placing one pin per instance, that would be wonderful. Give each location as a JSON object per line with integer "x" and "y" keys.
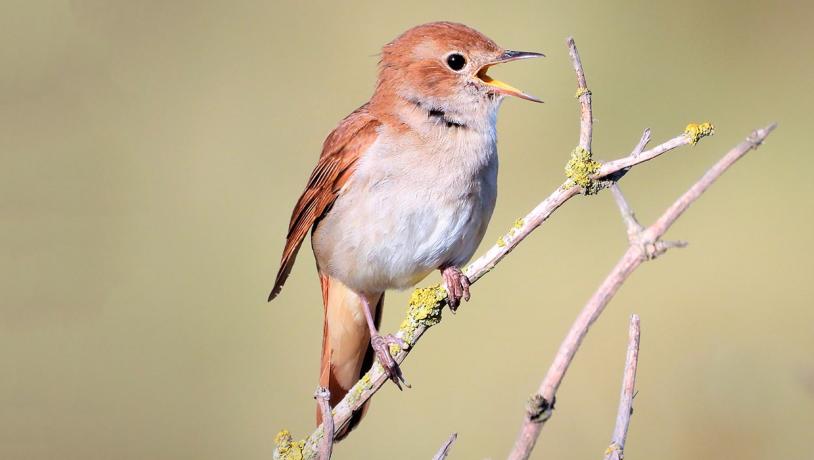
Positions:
{"x": 323, "y": 397}
{"x": 648, "y": 245}
{"x": 645, "y": 139}
{"x": 584, "y": 95}
{"x": 616, "y": 450}
{"x": 445, "y": 448}
{"x": 633, "y": 227}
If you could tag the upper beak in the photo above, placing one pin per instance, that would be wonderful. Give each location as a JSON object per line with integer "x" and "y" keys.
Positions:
{"x": 505, "y": 88}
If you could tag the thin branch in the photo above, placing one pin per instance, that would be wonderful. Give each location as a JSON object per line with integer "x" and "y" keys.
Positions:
{"x": 632, "y": 160}
{"x": 633, "y": 227}
{"x": 669, "y": 217}
{"x": 645, "y": 139}
{"x": 445, "y": 448}
{"x": 323, "y": 397}
{"x": 616, "y": 450}
{"x": 584, "y": 95}
{"x": 649, "y": 246}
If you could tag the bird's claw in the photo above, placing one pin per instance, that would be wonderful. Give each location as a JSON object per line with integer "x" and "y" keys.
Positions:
{"x": 457, "y": 286}
{"x": 381, "y": 346}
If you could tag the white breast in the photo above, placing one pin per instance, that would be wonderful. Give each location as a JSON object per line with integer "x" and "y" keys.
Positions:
{"x": 414, "y": 204}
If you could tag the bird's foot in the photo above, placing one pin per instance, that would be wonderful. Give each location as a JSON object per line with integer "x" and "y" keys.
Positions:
{"x": 457, "y": 286}
{"x": 381, "y": 346}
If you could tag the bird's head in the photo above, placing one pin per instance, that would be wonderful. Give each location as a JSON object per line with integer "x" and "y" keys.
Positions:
{"x": 442, "y": 67}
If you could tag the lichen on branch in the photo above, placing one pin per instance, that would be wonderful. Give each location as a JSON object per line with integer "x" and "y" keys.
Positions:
{"x": 424, "y": 310}
{"x": 581, "y": 92}
{"x": 364, "y": 384}
{"x": 287, "y": 448}
{"x": 580, "y": 168}
{"x": 696, "y": 131}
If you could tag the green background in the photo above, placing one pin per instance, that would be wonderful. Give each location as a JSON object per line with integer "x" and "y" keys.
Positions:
{"x": 152, "y": 152}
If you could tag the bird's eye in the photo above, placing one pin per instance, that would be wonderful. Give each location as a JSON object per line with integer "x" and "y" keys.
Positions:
{"x": 456, "y": 62}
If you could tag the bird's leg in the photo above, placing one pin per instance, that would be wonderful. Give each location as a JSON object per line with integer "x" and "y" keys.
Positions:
{"x": 381, "y": 345}
{"x": 457, "y": 285}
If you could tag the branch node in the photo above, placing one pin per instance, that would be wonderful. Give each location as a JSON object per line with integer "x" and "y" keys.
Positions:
{"x": 581, "y": 92}
{"x": 650, "y": 250}
{"x": 632, "y": 225}
{"x": 579, "y": 170}
{"x": 538, "y": 409}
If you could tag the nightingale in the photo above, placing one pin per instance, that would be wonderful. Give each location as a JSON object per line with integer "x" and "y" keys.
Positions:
{"x": 405, "y": 185}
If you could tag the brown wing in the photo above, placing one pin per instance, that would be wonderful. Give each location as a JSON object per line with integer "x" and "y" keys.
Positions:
{"x": 340, "y": 152}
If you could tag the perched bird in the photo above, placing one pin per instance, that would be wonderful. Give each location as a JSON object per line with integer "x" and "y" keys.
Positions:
{"x": 405, "y": 185}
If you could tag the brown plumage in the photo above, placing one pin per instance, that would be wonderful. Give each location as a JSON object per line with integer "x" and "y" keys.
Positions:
{"x": 340, "y": 151}
{"x": 348, "y": 355}
{"x": 405, "y": 185}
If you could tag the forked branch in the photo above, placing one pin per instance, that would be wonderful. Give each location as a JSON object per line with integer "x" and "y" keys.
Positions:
{"x": 584, "y": 176}
{"x": 646, "y": 244}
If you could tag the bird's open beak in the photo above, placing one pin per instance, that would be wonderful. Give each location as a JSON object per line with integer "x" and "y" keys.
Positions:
{"x": 505, "y": 88}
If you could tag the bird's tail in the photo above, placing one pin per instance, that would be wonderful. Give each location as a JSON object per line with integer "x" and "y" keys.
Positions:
{"x": 346, "y": 350}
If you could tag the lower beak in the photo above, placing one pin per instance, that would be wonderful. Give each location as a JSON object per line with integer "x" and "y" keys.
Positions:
{"x": 505, "y": 88}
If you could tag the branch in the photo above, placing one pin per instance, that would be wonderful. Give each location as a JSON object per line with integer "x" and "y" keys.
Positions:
{"x": 632, "y": 225}
{"x": 647, "y": 245}
{"x": 445, "y": 448}
{"x": 323, "y": 397}
{"x": 426, "y": 304}
{"x": 616, "y": 451}
{"x": 586, "y": 119}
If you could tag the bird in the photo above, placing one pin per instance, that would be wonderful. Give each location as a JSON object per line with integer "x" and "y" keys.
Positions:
{"x": 405, "y": 185}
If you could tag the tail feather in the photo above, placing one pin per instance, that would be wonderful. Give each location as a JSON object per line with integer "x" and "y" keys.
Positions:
{"x": 346, "y": 350}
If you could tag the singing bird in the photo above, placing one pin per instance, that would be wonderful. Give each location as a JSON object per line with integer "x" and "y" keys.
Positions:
{"x": 405, "y": 185}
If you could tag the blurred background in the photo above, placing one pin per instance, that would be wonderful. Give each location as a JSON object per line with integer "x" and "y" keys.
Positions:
{"x": 152, "y": 152}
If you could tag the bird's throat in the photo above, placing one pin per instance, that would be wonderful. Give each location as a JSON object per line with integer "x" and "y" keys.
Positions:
{"x": 437, "y": 115}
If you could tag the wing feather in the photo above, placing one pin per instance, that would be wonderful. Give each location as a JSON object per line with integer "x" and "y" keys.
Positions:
{"x": 340, "y": 152}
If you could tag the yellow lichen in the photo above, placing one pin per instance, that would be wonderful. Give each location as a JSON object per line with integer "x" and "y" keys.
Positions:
{"x": 695, "y": 131}
{"x": 580, "y": 168}
{"x": 361, "y": 386}
{"x": 612, "y": 448}
{"x": 283, "y": 437}
{"x": 581, "y": 92}
{"x": 394, "y": 350}
{"x": 287, "y": 448}
{"x": 424, "y": 310}
{"x": 504, "y": 240}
